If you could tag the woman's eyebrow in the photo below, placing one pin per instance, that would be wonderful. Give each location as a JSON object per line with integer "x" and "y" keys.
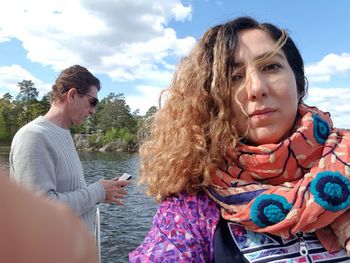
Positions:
{"x": 260, "y": 57}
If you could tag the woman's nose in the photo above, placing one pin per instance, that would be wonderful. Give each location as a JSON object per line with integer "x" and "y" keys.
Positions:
{"x": 256, "y": 86}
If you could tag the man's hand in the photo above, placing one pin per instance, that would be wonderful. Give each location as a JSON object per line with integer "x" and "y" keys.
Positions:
{"x": 114, "y": 190}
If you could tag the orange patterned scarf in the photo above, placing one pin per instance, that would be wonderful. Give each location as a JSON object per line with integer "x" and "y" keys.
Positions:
{"x": 298, "y": 185}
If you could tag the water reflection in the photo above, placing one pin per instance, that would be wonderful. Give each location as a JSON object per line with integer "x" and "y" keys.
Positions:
{"x": 123, "y": 228}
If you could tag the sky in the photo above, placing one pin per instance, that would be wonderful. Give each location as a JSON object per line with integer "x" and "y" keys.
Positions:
{"x": 133, "y": 46}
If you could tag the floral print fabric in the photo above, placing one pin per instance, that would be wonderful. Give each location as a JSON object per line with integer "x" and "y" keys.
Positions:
{"x": 182, "y": 231}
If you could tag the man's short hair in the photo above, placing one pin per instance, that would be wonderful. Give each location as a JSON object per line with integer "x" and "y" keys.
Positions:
{"x": 76, "y": 77}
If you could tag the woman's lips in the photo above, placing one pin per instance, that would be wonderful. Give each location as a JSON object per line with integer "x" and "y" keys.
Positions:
{"x": 262, "y": 113}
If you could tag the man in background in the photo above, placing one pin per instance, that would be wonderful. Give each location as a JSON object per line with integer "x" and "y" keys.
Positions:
{"x": 43, "y": 156}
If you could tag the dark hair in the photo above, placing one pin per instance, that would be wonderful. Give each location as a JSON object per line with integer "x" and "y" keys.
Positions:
{"x": 76, "y": 77}
{"x": 294, "y": 58}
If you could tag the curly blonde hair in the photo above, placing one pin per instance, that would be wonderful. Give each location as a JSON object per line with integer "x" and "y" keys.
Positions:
{"x": 191, "y": 132}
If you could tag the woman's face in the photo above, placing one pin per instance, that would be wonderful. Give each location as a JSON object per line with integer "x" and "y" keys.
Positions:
{"x": 269, "y": 97}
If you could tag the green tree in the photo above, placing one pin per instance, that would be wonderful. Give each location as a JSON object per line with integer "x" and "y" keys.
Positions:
{"x": 3, "y": 132}
{"x": 27, "y": 91}
{"x": 6, "y": 97}
{"x": 114, "y": 113}
{"x": 27, "y": 98}
{"x": 44, "y": 104}
{"x": 151, "y": 112}
{"x": 8, "y": 122}
{"x": 144, "y": 123}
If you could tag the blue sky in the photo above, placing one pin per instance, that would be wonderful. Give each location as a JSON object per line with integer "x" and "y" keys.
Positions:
{"x": 133, "y": 46}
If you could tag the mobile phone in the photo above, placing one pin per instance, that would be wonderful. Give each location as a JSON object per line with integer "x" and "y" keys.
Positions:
{"x": 125, "y": 176}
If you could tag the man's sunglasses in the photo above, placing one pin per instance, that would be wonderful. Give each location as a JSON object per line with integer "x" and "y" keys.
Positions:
{"x": 94, "y": 100}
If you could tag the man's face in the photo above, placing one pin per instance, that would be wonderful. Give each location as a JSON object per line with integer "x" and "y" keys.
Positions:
{"x": 84, "y": 105}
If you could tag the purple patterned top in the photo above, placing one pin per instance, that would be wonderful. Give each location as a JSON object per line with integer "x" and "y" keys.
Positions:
{"x": 183, "y": 231}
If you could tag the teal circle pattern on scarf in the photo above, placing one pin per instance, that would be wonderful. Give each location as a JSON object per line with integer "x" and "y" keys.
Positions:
{"x": 331, "y": 190}
{"x": 269, "y": 209}
{"x": 321, "y": 129}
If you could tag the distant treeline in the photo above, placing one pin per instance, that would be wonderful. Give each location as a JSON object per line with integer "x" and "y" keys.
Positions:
{"x": 113, "y": 119}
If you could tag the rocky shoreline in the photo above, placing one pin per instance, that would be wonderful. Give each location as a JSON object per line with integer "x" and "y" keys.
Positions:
{"x": 83, "y": 143}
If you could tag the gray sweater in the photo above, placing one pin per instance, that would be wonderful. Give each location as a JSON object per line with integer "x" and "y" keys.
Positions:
{"x": 43, "y": 157}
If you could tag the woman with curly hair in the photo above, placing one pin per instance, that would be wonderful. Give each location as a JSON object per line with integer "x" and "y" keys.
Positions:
{"x": 244, "y": 170}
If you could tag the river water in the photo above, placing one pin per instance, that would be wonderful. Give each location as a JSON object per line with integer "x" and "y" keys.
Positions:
{"x": 123, "y": 228}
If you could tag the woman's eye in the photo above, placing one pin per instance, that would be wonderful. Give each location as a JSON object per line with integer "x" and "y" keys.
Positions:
{"x": 271, "y": 67}
{"x": 237, "y": 78}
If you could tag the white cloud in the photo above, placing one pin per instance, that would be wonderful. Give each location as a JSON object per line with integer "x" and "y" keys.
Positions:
{"x": 330, "y": 65}
{"x": 11, "y": 75}
{"x": 149, "y": 96}
{"x": 333, "y": 100}
{"x": 3, "y": 37}
{"x": 147, "y": 60}
{"x": 182, "y": 12}
{"x": 118, "y": 38}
